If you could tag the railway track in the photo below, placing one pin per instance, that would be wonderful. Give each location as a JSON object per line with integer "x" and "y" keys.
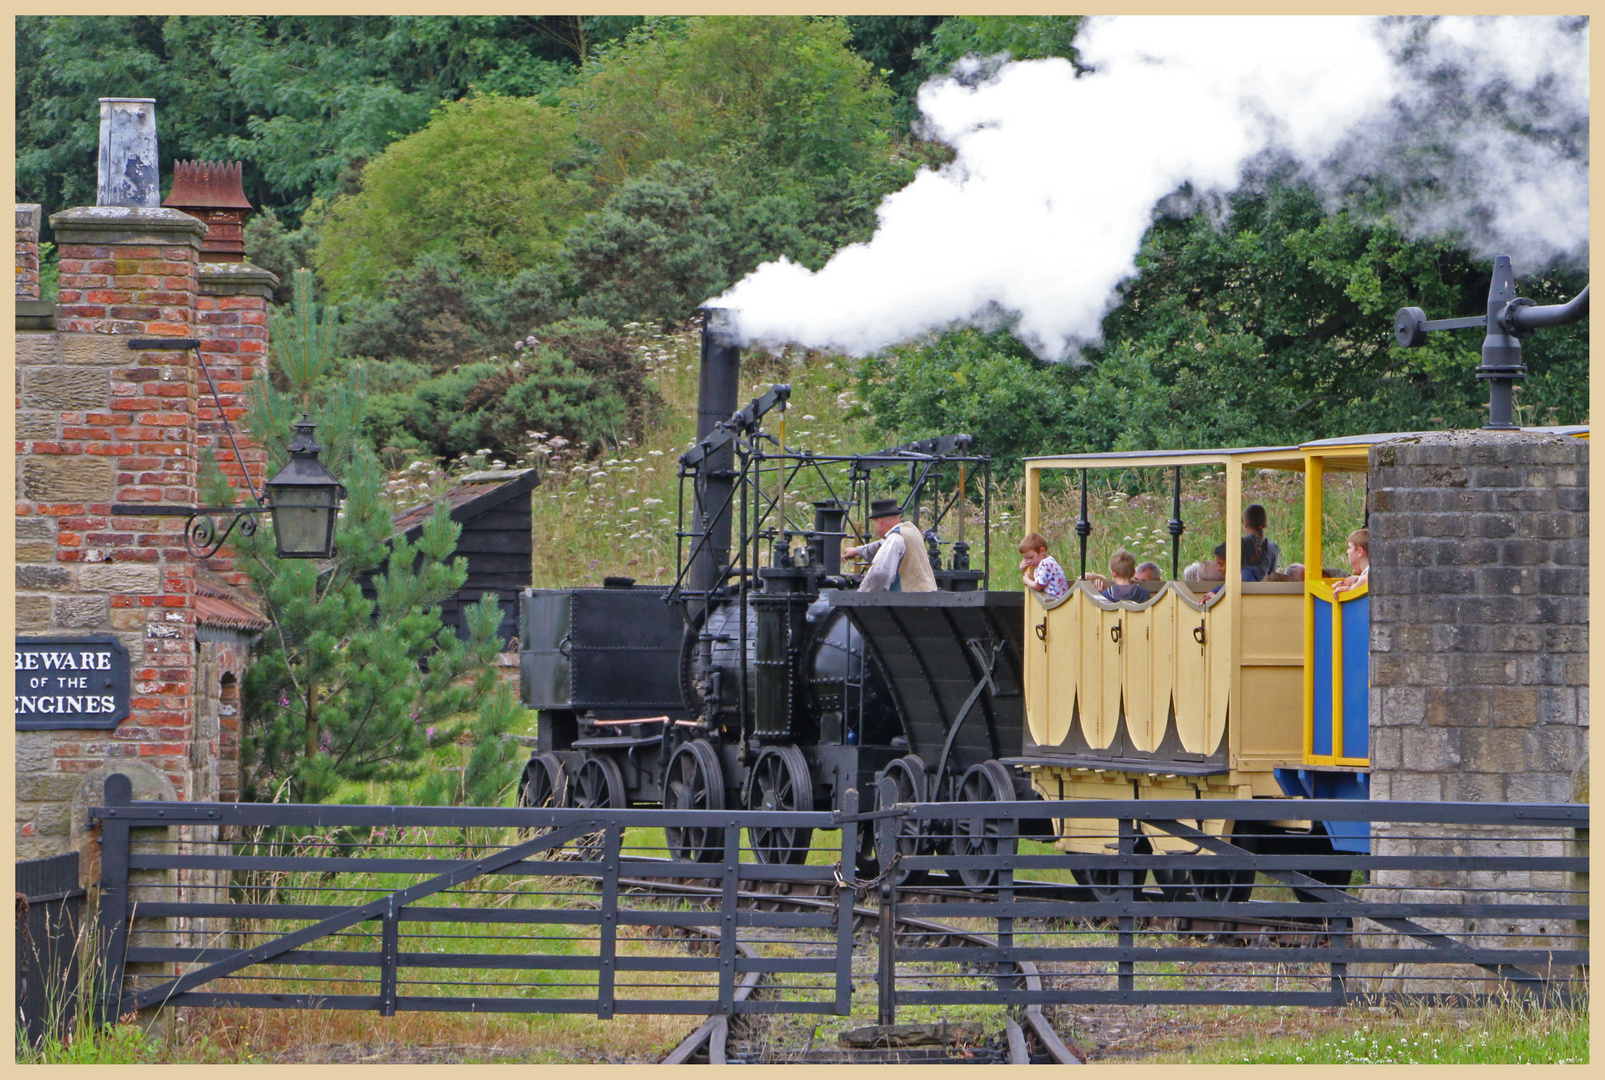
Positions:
{"x": 775, "y": 895}
{"x": 715, "y": 1032}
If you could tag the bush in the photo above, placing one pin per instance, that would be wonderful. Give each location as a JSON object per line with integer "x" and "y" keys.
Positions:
{"x": 579, "y": 379}
{"x": 484, "y": 182}
{"x": 660, "y": 247}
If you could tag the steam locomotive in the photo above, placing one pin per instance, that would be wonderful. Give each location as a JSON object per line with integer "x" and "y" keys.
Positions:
{"x": 760, "y": 677}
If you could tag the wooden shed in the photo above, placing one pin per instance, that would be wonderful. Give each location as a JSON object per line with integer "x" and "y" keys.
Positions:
{"x": 493, "y": 508}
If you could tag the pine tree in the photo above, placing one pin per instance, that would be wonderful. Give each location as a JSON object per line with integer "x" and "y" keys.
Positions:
{"x": 343, "y": 688}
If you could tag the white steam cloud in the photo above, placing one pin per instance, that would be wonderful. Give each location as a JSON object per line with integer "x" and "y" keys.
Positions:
{"x": 1477, "y": 127}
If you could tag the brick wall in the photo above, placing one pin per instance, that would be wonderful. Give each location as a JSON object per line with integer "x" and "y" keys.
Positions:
{"x": 97, "y": 424}
{"x": 231, "y": 313}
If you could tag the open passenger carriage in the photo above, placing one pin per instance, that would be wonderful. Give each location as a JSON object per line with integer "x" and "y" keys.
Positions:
{"x": 1257, "y": 689}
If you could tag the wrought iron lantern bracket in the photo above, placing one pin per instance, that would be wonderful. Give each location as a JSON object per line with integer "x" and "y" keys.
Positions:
{"x": 201, "y": 536}
{"x": 205, "y": 530}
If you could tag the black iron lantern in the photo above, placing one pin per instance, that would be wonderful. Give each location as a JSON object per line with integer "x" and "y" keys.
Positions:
{"x": 304, "y": 500}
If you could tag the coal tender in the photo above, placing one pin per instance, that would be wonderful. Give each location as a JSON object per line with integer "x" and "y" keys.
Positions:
{"x": 761, "y": 677}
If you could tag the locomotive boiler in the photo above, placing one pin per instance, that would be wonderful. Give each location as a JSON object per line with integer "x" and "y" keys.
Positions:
{"x": 760, "y": 677}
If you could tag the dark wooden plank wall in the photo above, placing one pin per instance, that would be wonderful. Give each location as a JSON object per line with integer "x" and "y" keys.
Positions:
{"x": 496, "y": 542}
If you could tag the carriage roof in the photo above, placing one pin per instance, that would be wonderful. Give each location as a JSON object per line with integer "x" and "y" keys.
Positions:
{"x": 1343, "y": 453}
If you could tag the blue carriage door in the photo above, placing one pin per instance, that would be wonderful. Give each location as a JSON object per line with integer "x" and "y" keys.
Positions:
{"x": 1340, "y": 678}
{"x": 1356, "y": 677}
{"x": 1321, "y": 731}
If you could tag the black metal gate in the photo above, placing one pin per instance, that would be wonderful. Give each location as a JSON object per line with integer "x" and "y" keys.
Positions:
{"x": 396, "y": 909}
{"x": 453, "y": 909}
{"x": 1453, "y": 903}
{"x": 49, "y": 921}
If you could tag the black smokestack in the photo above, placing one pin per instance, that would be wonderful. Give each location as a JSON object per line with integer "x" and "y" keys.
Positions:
{"x": 716, "y": 401}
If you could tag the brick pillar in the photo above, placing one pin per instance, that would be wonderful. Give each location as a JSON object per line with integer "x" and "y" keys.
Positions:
{"x": 99, "y": 423}
{"x": 232, "y": 324}
{"x": 1479, "y": 636}
{"x": 27, "y": 251}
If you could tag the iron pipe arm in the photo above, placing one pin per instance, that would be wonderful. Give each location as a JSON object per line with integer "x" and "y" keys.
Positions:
{"x": 1523, "y": 317}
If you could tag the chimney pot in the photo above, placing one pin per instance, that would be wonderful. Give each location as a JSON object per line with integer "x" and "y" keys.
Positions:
{"x": 128, "y": 173}
{"x": 214, "y": 192}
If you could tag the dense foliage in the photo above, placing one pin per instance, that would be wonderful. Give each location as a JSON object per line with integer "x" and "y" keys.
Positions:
{"x": 461, "y": 181}
{"x": 578, "y": 379}
{"x": 304, "y": 100}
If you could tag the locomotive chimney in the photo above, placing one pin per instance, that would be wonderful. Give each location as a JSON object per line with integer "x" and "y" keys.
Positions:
{"x": 717, "y": 391}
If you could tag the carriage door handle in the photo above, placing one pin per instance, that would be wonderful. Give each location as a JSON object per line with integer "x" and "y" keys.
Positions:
{"x": 1198, "y": 633}
{"x": 1042, "y": 630}
{"x": 1114, "y": 633}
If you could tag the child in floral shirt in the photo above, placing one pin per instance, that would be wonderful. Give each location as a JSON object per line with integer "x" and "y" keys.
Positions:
{"x": 1042, "y": 571}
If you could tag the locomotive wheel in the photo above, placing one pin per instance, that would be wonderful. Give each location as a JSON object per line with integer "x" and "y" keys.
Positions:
{"x": 908, "y": 772}
{"x": 780, "y": 780}
{"x": 598, "y": 785}
{"x": 694, "y": 782}
{"x": 545, "y": 782}
{"x": 974, "y": 836}
{"x": 544, "y": 786}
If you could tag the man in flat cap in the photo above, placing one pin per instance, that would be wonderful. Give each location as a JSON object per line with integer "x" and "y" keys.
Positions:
{"x": 900, "y": 563}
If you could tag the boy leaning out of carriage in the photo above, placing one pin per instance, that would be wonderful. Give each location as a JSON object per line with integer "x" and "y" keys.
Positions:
{"x": 1041, "y": 571}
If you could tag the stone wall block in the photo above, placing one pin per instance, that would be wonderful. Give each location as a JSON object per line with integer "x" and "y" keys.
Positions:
{"x": 36, "y": 427}
{"x": 96, "y": 350}
{"x": 65, "y": 389}
{"x": 35, "y": 539}
{"x": 33, "y": 613}
{"x": 1470, "y": 786}
{"x": 81, "y": 612}
{"x": 63, "y": 479}
{"x": 1513, "y": 706}
{"x": 1553, "y": 749}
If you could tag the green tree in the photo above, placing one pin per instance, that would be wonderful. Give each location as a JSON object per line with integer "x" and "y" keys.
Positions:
{"x": 482, "y": 182}
{"x": 986, "y": 384}
{"x": 303, "y": 100}
{"x": 1022, "y": 37}
{"x": 770, "y": 105}
{"x": 578, "y": 378}
{"x": 494, "y": 762}
{"x": 1276, "y": 325}
{"x": 344, "y": 688}
{"x": 660, "y": 246}
{"x": 892, "y": 45}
